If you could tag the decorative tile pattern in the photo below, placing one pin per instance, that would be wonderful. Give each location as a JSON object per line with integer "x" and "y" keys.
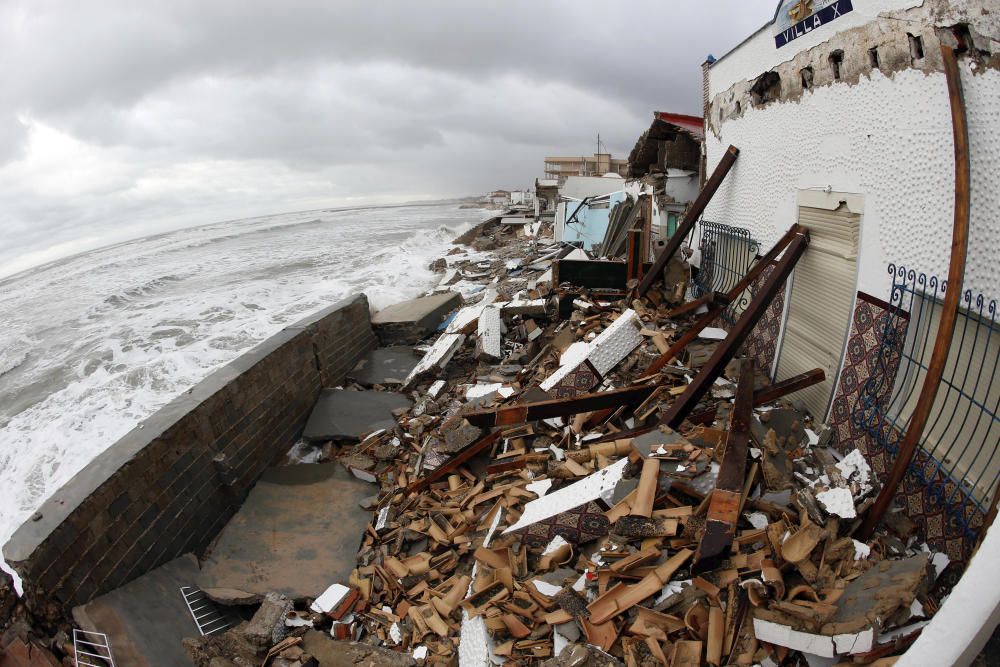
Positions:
{"x": 762, "y": 343}
{"x": 877, "y": 336}
{"x": 577, "y": 526}
{"x": 578, "y": 381}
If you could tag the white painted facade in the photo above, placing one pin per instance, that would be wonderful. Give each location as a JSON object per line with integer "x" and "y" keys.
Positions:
{"x": 885, "y": 143}
{"x": 886, "y": 140}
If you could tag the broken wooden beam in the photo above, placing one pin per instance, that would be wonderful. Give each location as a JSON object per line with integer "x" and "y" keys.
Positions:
{"x": 949, "y": 307}
{"x": 458, "y": 459}
{"x": 786, "y": 387}
{"x": 727, "y": 349}
{"x": 725, "y": 500}
{"x": 560, "y": 407}
{"x": 690, "y": 218}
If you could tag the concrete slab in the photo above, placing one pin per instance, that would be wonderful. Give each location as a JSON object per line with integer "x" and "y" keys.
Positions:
{"x": 298, "y": 532}
{"x": 146, "y": 619}
{"x": 346, "y": 414}
{"x": 407, "y": 322}
{"x": 384, "y": 366}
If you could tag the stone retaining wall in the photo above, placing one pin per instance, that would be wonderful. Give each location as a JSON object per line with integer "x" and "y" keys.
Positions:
{"x": 172, "y": 483}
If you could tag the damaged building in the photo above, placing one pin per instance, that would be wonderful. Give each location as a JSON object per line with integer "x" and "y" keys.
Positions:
{"x": 737, "y": 408}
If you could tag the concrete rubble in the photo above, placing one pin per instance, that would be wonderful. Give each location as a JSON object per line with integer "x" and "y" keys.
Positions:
{"x": 537, "y": 505}
{"x": 564, "y": 476}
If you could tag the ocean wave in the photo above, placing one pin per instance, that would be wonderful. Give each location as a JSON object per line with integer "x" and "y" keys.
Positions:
{"x": 127, "y": 329}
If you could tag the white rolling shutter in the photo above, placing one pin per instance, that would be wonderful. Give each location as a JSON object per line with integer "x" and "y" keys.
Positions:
{"x": 822, "y": 298}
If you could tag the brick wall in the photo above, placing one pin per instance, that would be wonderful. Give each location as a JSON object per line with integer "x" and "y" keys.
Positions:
{"x": 169, "y": 486}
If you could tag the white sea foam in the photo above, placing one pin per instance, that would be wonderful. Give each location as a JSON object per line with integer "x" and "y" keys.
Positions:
{"x": 95, "y": 344}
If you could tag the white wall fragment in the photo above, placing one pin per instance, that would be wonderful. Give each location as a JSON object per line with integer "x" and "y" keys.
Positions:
{"x": 599, "y": 485}
{"x": 489, "y": 333}
{"x": 437, "y": 357}
{"x": 838, "y": 501}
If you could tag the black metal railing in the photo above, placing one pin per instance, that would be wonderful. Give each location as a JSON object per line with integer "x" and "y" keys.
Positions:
{"x": 726, "y": 255}
{"x": 958, "y": 456}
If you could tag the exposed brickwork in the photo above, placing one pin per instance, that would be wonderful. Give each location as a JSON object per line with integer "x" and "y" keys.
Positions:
{"x": 157, "y": 493}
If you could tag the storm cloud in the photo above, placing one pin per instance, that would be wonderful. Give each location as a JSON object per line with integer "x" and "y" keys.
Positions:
{"x": 124, "y": 119}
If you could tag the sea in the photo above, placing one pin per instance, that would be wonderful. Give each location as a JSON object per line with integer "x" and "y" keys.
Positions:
{"x": 94, "y": 344}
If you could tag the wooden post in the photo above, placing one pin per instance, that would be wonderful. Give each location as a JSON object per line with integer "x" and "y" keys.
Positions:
{"x": 724, "y": 502}
{"x": 727, "y": 349}
{"x": 949, "y": 308}
{"x": 690, "y": 218}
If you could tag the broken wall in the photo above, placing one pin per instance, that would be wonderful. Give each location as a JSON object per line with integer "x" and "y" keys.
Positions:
{"x": 170, "y": 484}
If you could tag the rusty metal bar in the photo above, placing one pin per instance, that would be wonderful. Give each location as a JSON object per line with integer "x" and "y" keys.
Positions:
{"x": 785, "y": 387}
{"x": 949, "y": 307}
{"x": 690, "y": 218}
{"x": 724, "y": 502}
{"x": 726, "y": 350}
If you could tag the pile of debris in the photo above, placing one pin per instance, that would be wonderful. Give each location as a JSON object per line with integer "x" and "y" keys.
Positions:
{"x": 591, "y": 477}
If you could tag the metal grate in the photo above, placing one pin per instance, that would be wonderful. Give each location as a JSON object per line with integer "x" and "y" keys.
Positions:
{"x": 962, "y": 439}
{"x": 92, "y": 649}
{"x": 206, "y": 614}
{"x": 726, "y": 255}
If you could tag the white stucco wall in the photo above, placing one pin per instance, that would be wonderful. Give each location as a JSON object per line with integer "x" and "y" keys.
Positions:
{"x": 757, "y": 54}
{"x": 887, "y": 139}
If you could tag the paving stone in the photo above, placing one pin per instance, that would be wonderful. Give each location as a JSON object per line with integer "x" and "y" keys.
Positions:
{"x": 146, "y": 619}
{"x": 297, "y": 533}
{"x": 346, "y": 414}
{"x": 385, "y": 366}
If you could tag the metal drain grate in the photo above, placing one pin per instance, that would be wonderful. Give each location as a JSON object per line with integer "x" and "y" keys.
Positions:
{"x": 92, "y": 649}
{"x": 205, "y": 613}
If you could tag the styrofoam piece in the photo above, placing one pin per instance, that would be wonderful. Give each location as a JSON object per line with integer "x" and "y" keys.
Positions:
{"x": 758, "y": 520}
{"x": 420, "y": 653}
{"x": 861, "y": 550}
{"x": 713, "y": 333}
{"x": 854, "y": 467}
{"x": 475, "y": 646}
{"x": 437, "y": 357}
{"x": 838, "y": 501}
{"x": 330, "y": 598}
{"x": 467, "y": 316}
{"x": 490, "y": 332}
{"x": 600, "y": 485}
{"x": 826, "y": 646}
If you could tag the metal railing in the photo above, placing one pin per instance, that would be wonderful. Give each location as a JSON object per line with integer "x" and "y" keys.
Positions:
{"x": 726, "y": 255}
{"x": 958, "y": 455}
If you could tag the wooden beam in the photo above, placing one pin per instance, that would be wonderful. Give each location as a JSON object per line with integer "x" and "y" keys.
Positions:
{"x": 724, "y": 502}
{"x": 690, "y": 218}
{"x": 949, "y": 307}
{"x": 560, "y": 407}
{"x": 458, "y": 459}
{"x": 727, "y": 349}
{"x": 721, "y": 301}
{"x": 786, "y": 387}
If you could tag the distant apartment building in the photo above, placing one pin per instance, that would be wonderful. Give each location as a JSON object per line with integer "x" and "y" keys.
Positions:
{"x": 559, "y": 168}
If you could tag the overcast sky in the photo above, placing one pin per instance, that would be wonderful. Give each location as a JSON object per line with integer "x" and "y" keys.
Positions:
{"x": 119, "y": 120}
